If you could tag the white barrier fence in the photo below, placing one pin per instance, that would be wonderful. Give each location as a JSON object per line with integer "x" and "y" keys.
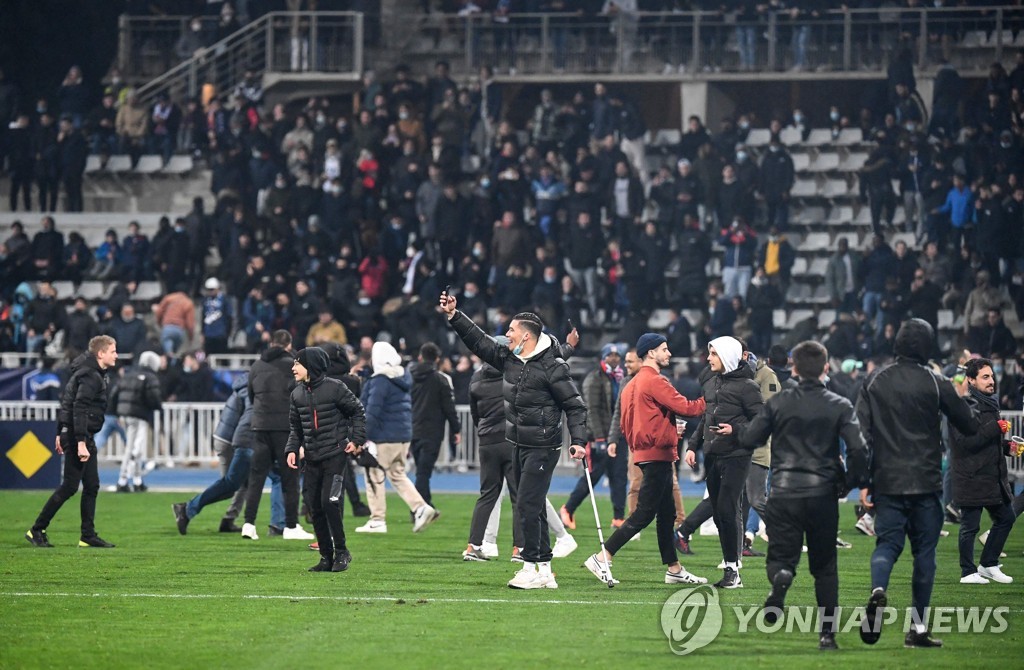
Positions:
{"x": 183, "y": 435}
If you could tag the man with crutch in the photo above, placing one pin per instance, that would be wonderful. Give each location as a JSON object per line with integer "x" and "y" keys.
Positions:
{"x": 647, "y": 407}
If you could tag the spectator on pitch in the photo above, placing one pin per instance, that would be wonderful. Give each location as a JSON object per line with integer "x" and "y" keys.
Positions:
{"x": 533, "y": 425}
{"x": 79, "y": 418}
{"x": 653, "y": 438}
{"x": 327, "y": 424}
{"x": 897, "y": 412}
{"x": 433, "y": 405}
{"x": 387, "y": 399}
{"x": 341, "y": 369}
{"x": 600, "y": 390}
{"x": 136, "y": 396}
{"x": 176, "y": 316}
{"x": 806, "y": 425}
{"x": 232, "y": 441}
{"x": 270, "y": 386}
{"x": 980, "y": 478}
{"x": 732, "y": 397}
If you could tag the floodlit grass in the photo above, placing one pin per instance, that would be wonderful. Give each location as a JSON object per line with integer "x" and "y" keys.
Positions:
{"x": 209, "y": 600}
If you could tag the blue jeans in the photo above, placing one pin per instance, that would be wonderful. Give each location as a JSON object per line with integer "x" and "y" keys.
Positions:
{"x": 746, "y": 40}
{"x": 172, "y": 337}
{"x": 276, "y": 499}
{"x": 801, "y": 35}
{"x": 110, "y": 426}
{"x": 918, "y": 517}
{"x": 225, "y": 487}
{"x": 872, "y": 306}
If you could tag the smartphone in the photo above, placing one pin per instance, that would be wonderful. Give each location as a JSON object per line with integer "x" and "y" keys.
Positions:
{"x": 448, "y": 290}
{"x": 571, "y": 326}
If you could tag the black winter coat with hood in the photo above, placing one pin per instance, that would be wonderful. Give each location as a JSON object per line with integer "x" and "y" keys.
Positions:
{"x": 979, "y": 461}
{"x": 537, "y": 389}
{"x": 900, "y": 408}
{"x": 732, "y": 397}
{"x": 433, "y": 403}
{"x": 322, "y": 413}
{"x": 84, "y": 399}
{"x": 270, "y": 385}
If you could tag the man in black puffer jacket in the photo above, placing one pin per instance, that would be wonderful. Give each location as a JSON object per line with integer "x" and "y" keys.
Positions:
{"x": 980, "y": 478}
{"x": 270, "y": 385}
{"x": 734, "y": 398}
{"x": 899, "y": 410}
{"x": 341, "y": 369}
{"x": 537, "y": 390}
{"x": 433, "y": 406}
{"x": 327, "y": 422}
{"x": 79, "y": 418}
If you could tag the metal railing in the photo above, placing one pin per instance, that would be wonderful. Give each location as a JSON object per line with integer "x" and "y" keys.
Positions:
{"x": 183, "y": 435}
{"x": 837, "y": 40}
{"x": 278, "y": 42}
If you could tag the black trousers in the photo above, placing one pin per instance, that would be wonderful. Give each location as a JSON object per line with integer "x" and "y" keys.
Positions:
{"x": 318, "y": 478}
{"x": 790, "y": 519}
{"x": 970, "y": 518}
{"x": 75, "y": 472}
{"x": 533, "y": 471}
{"x": 497, "y": 466}
{"x": 268, "y": 448}
{"x": 697, "y": 516}
{"x": 351, "y": 488}
{"x": 602, "y": 464}
{"x": 654, "y": 502}
{"x": 727, "y": 479}
{"x": 425, "y": 452}
{"x": 22, "y": 183}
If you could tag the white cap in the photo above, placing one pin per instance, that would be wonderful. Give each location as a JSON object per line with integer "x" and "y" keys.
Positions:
{"x": 212, "y": 284}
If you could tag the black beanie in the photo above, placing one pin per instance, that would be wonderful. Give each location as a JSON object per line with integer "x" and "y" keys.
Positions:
{"x": 314, "y": 359}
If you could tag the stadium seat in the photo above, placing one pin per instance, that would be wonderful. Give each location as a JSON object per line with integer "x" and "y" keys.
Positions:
{"x": 659, "y": 319}
{"x": 149, "y": 164}
{"x": 92, "y": 164}
{"x": 65, "y": 290}
{"x": 835, "y": 188}
{"x": 853, "y": 239}
{"x": 906, "y": 238}
{"x": 820, "y": 296}
{"x": 796, "y": 316}
{"x": 853, "y": 161}
{"x": 863, "y": 217}
{"x": 973, "y": 39}
{"x": 809, "y": 216}
{"x": 694, "y": 316}
{"x": 92, "y": 290}
{"x": 814, "y": 242}
{"x": 849, "y": 137}
{"x": 825, "y": 162}
{"x": 819, "y": 137}
{"x": 840, "y": 215}
{"x": 758, "y": 137}
{"x": 119, "y": 164}
{"x": 818, "y": 267}
{"x": 798, "y": 292}
{"x": 179, "y": 165}
{"x": 790, "y": 137}
{"x": 799, "y": 268}
{"x": 779, "y": 319}
{"x": 801, "y": 162}
{"x": 148, "y": 290}
{"x": 667, "y": 137}
{"x": 945, "y": 319}
{"x": 826, "y": 318}
{"x": 804, "y": 188}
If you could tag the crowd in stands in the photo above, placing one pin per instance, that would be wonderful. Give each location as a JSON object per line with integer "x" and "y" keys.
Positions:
{"x": 340, "y": 224}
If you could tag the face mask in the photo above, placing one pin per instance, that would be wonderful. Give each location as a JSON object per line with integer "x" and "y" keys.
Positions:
{"x": 997, "y": 370}
{"x": 774, "y": 148}
{"x": 1005, "y": 145}
{"x": 469, "y": 295}
{"x": 196, "y": 27}
{"x": 321, "y": 119}
{"x": 187, "y": 368}
{"x": 364, "y": 301}
{"x": 741, "y": 156}
{"x": 744, "y": 125}
{"x": 798, "y": 118}
{"x": 757, "y": 281}
{"x": 834, "y": 116}
{"x": 478, "y": 253}
{"x": 486, "y": 183}
{"x": 335, "y": 190}
{"x": 549, "y": 280}
{"x": 519, "y": 348}
{"x": 403, "y": 115}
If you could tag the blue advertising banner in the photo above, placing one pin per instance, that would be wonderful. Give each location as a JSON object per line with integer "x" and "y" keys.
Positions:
{"x": 27, "y": 458}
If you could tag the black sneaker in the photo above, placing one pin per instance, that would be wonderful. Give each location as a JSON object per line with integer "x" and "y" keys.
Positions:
{"x": 827, "y": 642}
{"x": 140, "y": 488}
{"x": 341, "y": 560}
{"x": 228, "y": 526}
{"x": 748, "y": 549}
{"x": 94, "y": 541}
{"x": 324, "y": 565}
{"x": 181, "y": 516}
{"x": 683, "y": 543}
{"x": 871, "y": 624}
{"x": 730, "y": 580}
{"x": 777, "y": 597}
{"x": 915, "y": 640}
{"x": 123, "y": 488}
{"x": 362, "y": 509}
{"x": 274, "y": 531}
{"x": 38, "y": 538}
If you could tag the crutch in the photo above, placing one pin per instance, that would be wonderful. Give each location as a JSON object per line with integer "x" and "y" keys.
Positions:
{"x": 606, "y": 567}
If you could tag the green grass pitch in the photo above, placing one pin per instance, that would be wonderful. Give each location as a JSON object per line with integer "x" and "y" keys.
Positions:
{"x": 210, "y": 600}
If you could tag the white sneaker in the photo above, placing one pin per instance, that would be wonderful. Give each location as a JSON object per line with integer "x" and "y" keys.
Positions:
{"x": 523, "y": 579}
{"x": 635, "y": 538}
{"x": 249, "y": 531}
{"x": 763, "y": 534}
{"x": 490, "y": 549}
{"x": 297, "y": 532}
{"x": 564, "y": 546}
{"x": 598, "y": 568}
{"x": 544, "y": 581}
{"x": 425, "y": 515}
{"x": 683, "y": 577}
{"x": 983, "y": 538}
{"x": 974, "y": 578}
{"x": 739, "y": 564}
{"x": 995, "y": 574}
{"x": 866, "y": 525}
{"x": 373, "y": 527}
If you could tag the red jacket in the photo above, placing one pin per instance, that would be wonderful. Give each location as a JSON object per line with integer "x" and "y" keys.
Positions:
{"x": 649, "y": 406}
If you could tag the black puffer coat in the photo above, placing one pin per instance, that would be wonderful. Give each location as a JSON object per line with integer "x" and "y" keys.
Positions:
{"x": 899, "y": 410}
{"x": 323, "y": 414}
{"x": 487, "y": 405}
{"x": 733, "y": 398}
{"x": 137, "y": 394}
{"x": 536, "y": 389}
{"x": 84, "y": 399}
{"x": 979, "y": 462}
{"x": 270, "y": 384}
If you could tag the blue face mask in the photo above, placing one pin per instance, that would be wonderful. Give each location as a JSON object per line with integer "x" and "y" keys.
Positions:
{"x": 997, "y": 370}
{"x": 519, "y": 347}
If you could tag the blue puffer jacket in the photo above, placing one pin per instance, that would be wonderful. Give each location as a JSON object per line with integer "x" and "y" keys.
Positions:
{"x": 234, "y": 409}
{"x": 388, "y": 403}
